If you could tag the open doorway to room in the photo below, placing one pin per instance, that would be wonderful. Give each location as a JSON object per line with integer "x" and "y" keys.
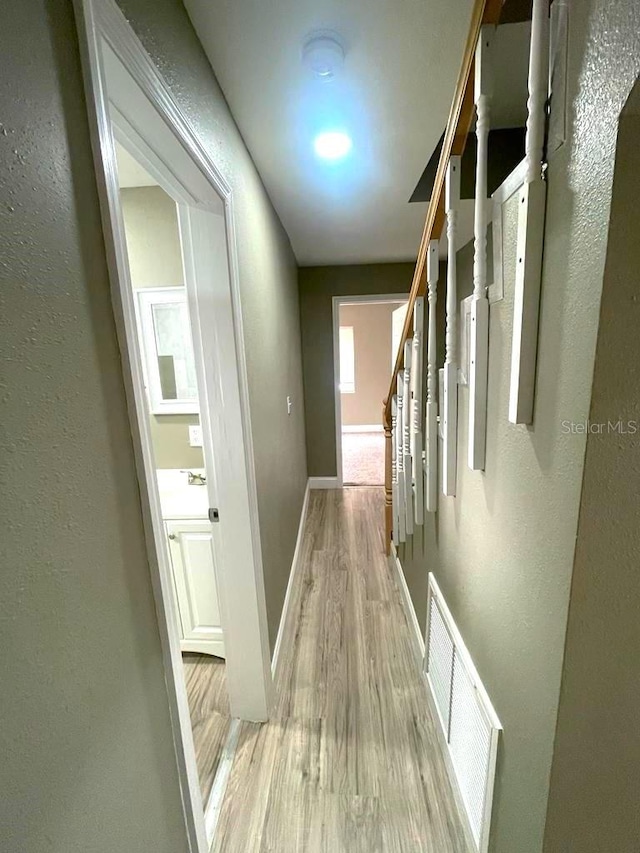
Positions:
{"x": 364, "y": 351}
{"x": 170, "y": 373}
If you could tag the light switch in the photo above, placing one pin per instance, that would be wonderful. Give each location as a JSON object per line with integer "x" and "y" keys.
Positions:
{"x": 289, "y": 405}
{"x": 195, "y": 435}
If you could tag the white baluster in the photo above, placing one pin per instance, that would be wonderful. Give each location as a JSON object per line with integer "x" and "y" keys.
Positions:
{"x": 431, "y": 466}
{"x": 452, "y": 201}
{"x": 417, "y": 383}
{"x": 479, "y": 318}
{"x": 530, "y": 227}
{"x": 408, "y": 478}
{"x": 402, "y": 504}
{"x": 394, "y": 470}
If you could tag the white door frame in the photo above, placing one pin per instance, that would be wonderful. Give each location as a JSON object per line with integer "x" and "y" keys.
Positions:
{"x": 104, "y": 34}
{"x": 337, "y": 302}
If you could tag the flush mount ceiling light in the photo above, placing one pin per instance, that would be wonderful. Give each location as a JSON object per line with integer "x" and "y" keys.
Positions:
{"x": 323, "y": 55}
{"x": 332, "y": 145}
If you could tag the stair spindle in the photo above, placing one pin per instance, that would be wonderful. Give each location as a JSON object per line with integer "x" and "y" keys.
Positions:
{"x": 406, "y": 447}
{"x": 417, "y": 384}
{"x": 452, "y": 202}
{"x": 431, "y": 459}
{"x": 479, "y": 317}
{"x": 402, "y": 503}
{"x": 394, "y": 470}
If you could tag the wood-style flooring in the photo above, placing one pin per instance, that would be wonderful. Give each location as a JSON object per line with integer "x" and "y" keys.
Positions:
{"x": 209, "y": 711}
{"x": 350, "y": 761}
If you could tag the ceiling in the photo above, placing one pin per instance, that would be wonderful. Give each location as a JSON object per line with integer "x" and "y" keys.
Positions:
{"x": 393, "y": 97}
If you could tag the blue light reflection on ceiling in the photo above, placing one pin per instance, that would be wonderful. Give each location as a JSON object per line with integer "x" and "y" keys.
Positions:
{"x": 321, "y": 107}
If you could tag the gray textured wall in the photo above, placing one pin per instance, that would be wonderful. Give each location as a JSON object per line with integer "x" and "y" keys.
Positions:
{"x": 318, "y": 285}
{"x": 596, "y": 765}
{"x": 503, "y": 549}
{"x": 87, "y": 757}
{"x": 268, "y": 283}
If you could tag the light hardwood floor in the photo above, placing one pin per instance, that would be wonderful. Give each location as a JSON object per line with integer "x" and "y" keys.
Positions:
{"x": 350, "y": 762}
{"x": 209, "y": 711}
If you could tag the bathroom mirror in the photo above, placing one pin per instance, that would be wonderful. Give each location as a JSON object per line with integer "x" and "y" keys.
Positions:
{"x": 170, "y": 376}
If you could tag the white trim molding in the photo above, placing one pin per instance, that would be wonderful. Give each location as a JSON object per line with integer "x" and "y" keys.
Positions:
{"x": 417, "y": 637}
{"x": 275, "y": 659}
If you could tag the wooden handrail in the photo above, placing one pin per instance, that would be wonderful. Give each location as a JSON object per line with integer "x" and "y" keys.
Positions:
{"x": 458, "y": 124}
{"x": 455, "y": 138}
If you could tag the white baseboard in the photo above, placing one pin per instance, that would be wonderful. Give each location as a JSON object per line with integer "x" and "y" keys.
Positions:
{"x": 363, "y": 428}
{"x": 294, "y": 568}
{"x": 415, "y": 630}
{"x": 325, "y": 483}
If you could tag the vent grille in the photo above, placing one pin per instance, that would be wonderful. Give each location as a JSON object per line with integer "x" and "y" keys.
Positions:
{"x": 440, "y": 663}
{"x": 469, "y": 723}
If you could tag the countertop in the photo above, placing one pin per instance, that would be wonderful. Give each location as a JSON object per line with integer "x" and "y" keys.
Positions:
{"x": 177, "y": 498}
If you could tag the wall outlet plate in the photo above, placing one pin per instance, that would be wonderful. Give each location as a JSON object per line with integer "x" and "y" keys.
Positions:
{"x": 195, "y": 435}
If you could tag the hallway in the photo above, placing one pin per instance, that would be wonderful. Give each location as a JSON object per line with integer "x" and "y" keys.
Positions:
{"x": 349, "y": 762}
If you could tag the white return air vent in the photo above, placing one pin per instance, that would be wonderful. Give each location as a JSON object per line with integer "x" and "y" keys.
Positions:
{"x": 469, "y": 723}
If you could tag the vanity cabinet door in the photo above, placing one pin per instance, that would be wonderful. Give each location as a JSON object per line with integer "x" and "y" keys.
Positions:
{"x": 190, "y": 546}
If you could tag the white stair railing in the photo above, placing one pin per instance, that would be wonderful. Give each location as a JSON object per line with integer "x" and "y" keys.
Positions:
{"x": 395, "y": 502}
{"x": 450, "y": 404}
{"x": 483, "y": 12}
{"x": 417, "y": 385}
{"x": 399, "y": 434}
{"x": 431, "y": 415}
{"x": 406, "y": 434}
{"x": 479, "y": 318}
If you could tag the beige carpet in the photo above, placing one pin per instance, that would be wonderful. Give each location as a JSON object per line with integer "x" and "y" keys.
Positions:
{"x": 363, "y": 458}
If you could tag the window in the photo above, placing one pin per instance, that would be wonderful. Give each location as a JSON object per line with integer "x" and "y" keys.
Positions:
{"x": 347, "y": 361}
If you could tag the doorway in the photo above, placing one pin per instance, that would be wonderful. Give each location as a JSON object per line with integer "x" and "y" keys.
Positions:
{"x": 171, "y": 367}
{"x": 180, "y": 333}
{"x": 363, "y": 359}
